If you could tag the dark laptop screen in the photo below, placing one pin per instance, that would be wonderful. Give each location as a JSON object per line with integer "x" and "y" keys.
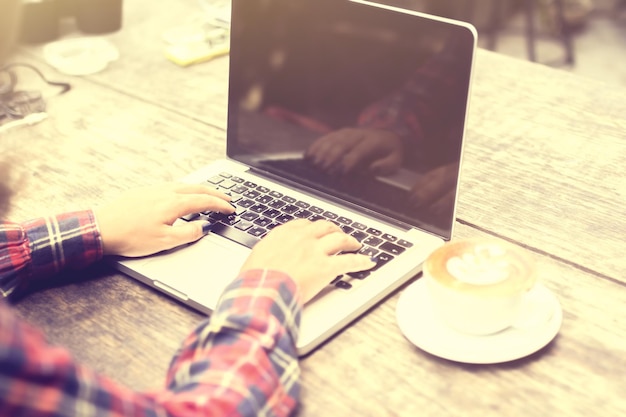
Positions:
{"x": 354, "y": 101}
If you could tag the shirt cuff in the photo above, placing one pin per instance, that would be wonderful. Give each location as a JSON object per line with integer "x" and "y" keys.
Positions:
{"x": 70, "y": 240}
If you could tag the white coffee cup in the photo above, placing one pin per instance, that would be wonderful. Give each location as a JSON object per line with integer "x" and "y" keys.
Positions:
{"x": 477, "y": 285}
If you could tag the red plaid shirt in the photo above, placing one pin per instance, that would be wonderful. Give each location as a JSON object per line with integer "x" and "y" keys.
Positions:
{"x": 241, "y": 362}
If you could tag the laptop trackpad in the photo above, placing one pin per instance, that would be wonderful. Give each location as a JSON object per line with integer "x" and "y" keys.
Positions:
{"x": 187, "y": 272}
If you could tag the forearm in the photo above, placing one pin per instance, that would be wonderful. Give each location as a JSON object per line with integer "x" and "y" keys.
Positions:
{"x": 249, "y": 345}
{"x": 240, "y": 363}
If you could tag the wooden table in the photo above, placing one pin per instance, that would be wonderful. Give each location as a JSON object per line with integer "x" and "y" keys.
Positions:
{"x": 543, "y": 168}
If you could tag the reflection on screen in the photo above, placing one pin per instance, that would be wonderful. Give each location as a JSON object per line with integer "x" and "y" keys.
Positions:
{"x": 356, "y": 101}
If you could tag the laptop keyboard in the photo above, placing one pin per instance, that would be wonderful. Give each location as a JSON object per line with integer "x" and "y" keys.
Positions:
{"x": 259, "y": 209}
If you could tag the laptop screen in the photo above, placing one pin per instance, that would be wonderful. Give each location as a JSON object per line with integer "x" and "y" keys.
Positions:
{"x": 361, "y": 103}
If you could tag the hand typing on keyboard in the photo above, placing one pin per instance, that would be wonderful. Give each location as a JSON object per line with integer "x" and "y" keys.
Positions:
{"x": 140, "y": 222}
{"x": 311, "y": 253}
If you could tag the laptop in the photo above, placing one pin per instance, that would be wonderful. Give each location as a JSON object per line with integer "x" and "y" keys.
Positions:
{"x": 348, "y": 111}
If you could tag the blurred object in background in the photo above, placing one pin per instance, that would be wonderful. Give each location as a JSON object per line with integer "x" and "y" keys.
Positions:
{"x": 203, "y": 37}
{"x": 99, "y": 16}
{"x": 10, "y": 18}
{"x": 575, "y": 14}
{"x": 40, "y": 19}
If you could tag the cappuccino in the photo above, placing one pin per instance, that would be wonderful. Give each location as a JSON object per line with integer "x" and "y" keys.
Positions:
{"x": 477, "y": 285}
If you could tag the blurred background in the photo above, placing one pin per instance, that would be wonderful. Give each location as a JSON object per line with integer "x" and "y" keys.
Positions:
{"x": 586, "y": 37}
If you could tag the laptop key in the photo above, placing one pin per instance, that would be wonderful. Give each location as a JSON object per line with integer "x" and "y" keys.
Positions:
{"x": 346, "y": 229}
{"x": 245, "y": 203}
{"x": 359, "y": 226}
{"x": 358, "y": 235}
{"x": 290, "y": 209}
{"x": 243, "y": 225}
{"x": 303, "y": 214}
{"x": 359, "y": 275}
{"x": 330, "y": 215}
{"x": 404, "y": 243}
{"x": 392, "y": 248}
{"x": 251, "y": 194}
{"x": 277, "y": 204}
{"x": 317, "y": 217}
{"x": 373, "y": 241}
{"x": 216, "y": 179}
{"x": 381, "y": 260}
{"x": 263, "y": 189}
{"x": 230, "y": 220}
{"x": 374, "y": 232}
{"x": 271, "y": 213}
{"x": 316, "y": 210}
{"x": 249, "y": 216}
{"x": 284, "y": 218}
{"x": 344, "y": 220}
{"x": 343, "y": 285}
{"x": 259, "y": 208}
{"x": 389, "y": 237}
{"x": 264, "y": 199}
{"x": 257, "y": 231}
{"x": 239, "y": 189}
{"x": 227, "y": 184}
{"x": 237, "y": 180}
{"x": 263, "y": 221}
{"x": 276, "y": 194}
{"x": 369, "y": 251}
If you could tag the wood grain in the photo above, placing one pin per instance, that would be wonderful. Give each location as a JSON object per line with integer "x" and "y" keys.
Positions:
{"x": 127, "y": 331}
{"x": 544, "y": 162}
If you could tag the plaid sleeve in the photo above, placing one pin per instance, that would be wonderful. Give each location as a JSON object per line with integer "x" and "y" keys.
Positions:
{"x": 241, "y": 362}
{"x": 42, "y": 247}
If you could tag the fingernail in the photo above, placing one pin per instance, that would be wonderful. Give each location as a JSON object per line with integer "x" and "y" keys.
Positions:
{"x": 206, "y": 227}
{"x": 373, "y": 259}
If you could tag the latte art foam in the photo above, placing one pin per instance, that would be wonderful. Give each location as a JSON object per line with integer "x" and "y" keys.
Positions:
{"x": 484, "y": 265}
{"x": 481, "y": 266}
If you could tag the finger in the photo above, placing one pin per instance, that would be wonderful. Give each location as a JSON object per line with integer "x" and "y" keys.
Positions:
{"x": 321, "y": 228}
{"x": 200, "y": 189}
{"x": 195, "y": 203}
{"x": 338, "y": 241}
{"x": 352, "y": 262}
{"x": 183, "y": 233}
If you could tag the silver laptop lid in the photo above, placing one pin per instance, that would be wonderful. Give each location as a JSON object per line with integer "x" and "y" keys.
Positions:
{"x": 363, "y": 103}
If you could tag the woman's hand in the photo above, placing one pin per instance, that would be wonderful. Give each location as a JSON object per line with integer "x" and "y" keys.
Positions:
{"x": 140, "y": 222}
{"x": 309, "y": 252}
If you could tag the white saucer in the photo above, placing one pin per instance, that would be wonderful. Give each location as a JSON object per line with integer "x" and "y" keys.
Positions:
{"x": 542, "y": 318}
